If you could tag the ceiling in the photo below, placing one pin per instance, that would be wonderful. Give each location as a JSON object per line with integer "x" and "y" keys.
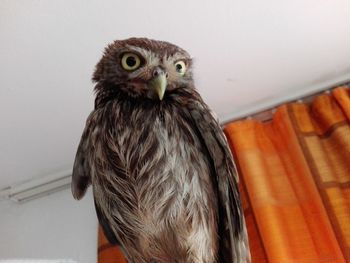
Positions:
{"x": 248, "y": 54}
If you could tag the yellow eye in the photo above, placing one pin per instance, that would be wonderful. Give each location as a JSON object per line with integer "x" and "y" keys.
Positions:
{"x": 130, "y": 61}
{"x": 180, "y": 67}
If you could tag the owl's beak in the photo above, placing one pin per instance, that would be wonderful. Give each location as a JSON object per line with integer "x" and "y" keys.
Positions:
{"x": 158, "y": 83}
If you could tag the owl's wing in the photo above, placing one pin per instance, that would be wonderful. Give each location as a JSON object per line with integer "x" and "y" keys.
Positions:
{"x": 234, "y": 245}
{"x": 81, "y": 177}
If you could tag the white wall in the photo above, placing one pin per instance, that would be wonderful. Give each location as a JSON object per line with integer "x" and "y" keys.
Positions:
{"x": 55, "y": 226}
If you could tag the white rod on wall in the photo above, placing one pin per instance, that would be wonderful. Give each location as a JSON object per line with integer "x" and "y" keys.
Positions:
{"x": 37, "y": 187}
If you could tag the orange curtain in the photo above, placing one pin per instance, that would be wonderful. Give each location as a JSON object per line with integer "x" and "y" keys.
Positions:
{"x": 295, "y": 183}
{"x": 295, "y": 180}
{"x": 108, "y": 253}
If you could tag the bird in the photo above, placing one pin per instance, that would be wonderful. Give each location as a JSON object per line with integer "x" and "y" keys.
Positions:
{"x": 163, "y": 178}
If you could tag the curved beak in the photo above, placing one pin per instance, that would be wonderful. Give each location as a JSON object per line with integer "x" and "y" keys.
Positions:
{"x": 158, "y": 84}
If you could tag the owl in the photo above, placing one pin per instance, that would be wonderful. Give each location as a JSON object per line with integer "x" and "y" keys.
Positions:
{"x": 163, "y": 178}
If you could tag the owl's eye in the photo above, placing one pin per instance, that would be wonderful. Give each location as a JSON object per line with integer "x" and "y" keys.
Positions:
{"x": 180, "y": 67}
{"x": 130, "y": 61}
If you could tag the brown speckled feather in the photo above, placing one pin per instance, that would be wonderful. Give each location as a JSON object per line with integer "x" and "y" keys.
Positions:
{"x": 234, "y": 245}
{"x": 163, "y": 178}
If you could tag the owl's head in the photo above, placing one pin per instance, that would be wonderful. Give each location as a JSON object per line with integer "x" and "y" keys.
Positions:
{"x": 144, "y": 67}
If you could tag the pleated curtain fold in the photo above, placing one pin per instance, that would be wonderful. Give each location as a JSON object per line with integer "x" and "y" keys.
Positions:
{"x": 295, "y": 180}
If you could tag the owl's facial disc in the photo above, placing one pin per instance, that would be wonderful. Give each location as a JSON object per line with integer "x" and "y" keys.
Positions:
{"x": 152, "y": 73}
{"x": 144, "y": 68}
